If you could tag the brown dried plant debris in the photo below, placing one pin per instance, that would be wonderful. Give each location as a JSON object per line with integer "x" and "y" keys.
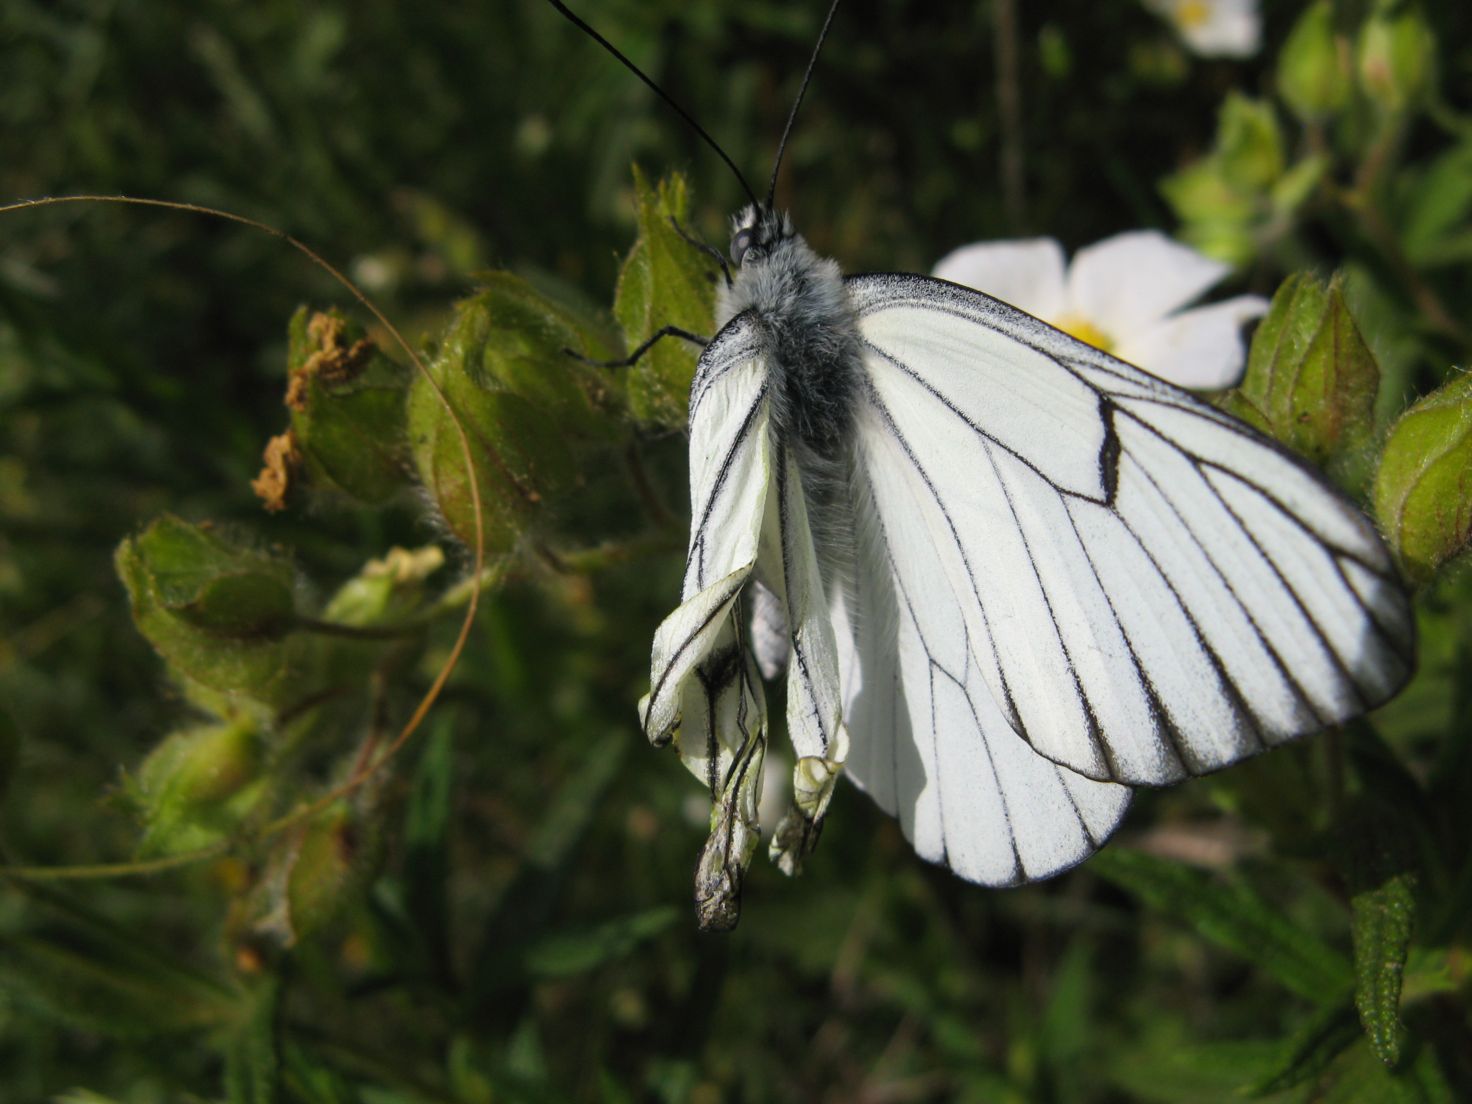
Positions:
{"x": 282, "y": 461}
{"x": 333, "y": 362}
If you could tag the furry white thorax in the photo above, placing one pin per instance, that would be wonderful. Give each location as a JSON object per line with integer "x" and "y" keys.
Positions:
{"x": 812, "y": 336}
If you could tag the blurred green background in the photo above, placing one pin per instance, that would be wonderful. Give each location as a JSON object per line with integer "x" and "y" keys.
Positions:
{"x": 527, "y": 934}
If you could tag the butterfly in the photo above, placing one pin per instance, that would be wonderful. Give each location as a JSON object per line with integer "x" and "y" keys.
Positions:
{"x": 1007, "y": 575}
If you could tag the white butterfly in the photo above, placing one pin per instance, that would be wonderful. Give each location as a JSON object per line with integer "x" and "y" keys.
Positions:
{"x": 1009, "y": 575}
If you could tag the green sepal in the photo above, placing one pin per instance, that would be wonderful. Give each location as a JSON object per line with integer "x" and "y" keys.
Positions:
{"x": 1311, "y": 379}
{"x": 511, "y": 337}
{"x": 665, "y": 281}
{"x": 1423, "y": 489}
{"x": 329, "y": 866}
{"x": 347, "y": 407}
{"x": 519, "y": 452}
{"x": 214, "y": 610}
{"x": 198, "y": 784}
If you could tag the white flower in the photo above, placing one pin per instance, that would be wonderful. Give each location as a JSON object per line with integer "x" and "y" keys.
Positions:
{"x": 1123, "y": 295}
{"x": 1213, "y": 28}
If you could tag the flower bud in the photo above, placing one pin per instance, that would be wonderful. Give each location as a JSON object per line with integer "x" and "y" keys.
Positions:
{"x": 347, "y": 410}
{"x": 330, "y": 865}
{"x": 1395, "y": 55}
{"x": 1313, "y": 76}
{"x": 519, "y": 453}
{"x": 1311, "y": 380}
{"x": 217, "y": 611}
{"x": 186, "y": 785}
{"x": 1423, "y": 490}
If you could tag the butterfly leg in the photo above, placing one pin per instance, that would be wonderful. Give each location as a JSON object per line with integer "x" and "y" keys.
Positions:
{"x": 705, "y": 247}
{"x": 633, "y": 358}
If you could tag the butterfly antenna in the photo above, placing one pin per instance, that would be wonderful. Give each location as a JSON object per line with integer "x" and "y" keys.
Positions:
{"x": 792, "y": 115}
{"x": 576, "y": 21}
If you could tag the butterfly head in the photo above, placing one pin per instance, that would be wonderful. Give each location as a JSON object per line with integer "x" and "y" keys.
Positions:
{"x": 755, "y": 231}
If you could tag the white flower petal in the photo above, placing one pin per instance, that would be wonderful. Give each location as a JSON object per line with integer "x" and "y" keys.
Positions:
{"x": 1027, "y": 273}
{"x": 1126, "y": 283}
{"x": 1214, "y": 28}
{"x": 1200, "y": 348}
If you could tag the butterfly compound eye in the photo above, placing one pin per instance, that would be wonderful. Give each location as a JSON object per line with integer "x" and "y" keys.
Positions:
{"x": 740, "y": 244}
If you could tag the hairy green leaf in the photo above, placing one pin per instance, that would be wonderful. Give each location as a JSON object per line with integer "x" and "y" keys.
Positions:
{"x": 1377, "y": 857}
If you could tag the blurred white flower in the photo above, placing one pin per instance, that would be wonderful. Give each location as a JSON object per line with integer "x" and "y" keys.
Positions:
{"x": 1213, "y": 28}
{"x": 1123, "y": 295}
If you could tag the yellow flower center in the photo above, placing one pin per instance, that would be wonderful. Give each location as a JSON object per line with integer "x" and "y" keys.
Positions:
{"x": 1086, "y": 331}
{"x": 1192, "y": 13}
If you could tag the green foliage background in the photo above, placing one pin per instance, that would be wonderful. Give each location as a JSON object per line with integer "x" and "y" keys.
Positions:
{"x": 501, "y": 913}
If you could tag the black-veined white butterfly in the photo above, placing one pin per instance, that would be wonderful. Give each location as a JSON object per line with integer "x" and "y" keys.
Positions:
{"x": 1008, "y": 575}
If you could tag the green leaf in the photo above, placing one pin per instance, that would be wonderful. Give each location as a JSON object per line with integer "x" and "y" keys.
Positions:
{"x": 1233, "y": 917}
{"x": 1377, "y": 856}
{"x": 252, "y": 1061}
{"x": 1358, "y": 1077}
{"x": 1383, "y": 918}
{"x": 520, "y": 454}
{"x": 347, "y": 407}
{"x": 665, "y": 281}
{"x": 213, "y": 611}
{"x": 1436, "y": 209}
{"x": 568, "y": 953}
{"x": 1310, "y": 1050}
{"x": 1311, "y": 379}
{"x": 1249, "y": 142}
{"x": 1423, "y": 490}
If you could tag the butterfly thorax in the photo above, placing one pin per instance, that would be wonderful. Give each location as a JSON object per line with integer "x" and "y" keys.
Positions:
{"x": 811, "y": 334}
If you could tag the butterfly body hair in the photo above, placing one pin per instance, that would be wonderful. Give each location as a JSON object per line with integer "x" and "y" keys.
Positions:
{"x": 812, "y": 348}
